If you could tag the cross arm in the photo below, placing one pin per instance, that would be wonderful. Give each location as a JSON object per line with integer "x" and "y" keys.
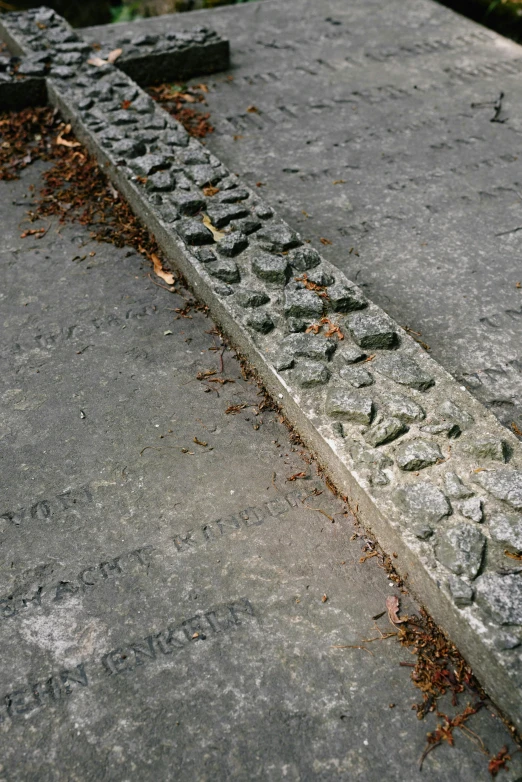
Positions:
{"x": 41, "y": 43}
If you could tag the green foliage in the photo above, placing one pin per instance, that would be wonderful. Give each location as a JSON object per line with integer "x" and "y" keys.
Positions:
{"x": 126, "y": 13}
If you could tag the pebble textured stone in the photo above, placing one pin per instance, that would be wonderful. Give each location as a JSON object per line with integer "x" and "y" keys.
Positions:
{"x": 438, "y": 477}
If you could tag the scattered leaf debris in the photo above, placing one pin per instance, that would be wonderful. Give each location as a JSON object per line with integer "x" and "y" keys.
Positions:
{"x": 235, "y": 409}
{"x": 175, "y": 99}
{"x": 392, "y": 607}
{"x": 218, "y": 235}
{"x": 296, "y": 476}
{"x": 498, "y": 762}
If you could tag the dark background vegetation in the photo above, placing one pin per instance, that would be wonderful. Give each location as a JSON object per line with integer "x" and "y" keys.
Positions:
{"x": 82, "y": 13}
{"x": 505, "y": 16}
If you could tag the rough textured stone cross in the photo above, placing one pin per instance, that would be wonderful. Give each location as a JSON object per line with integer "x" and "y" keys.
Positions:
{"x": 45, "y": 47}
{"x": 432, "y": 473}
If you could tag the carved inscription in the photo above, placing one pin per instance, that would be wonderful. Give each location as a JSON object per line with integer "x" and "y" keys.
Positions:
{"x": 67, "y": 502}
{"x": 42, "y": 588}
{"x": 41, "y": 592}
{"x": 249, "y": 517}
{"x": 131, "y": 655}
{"x": 486, "y": 70}
{"x": 429, "y": 46}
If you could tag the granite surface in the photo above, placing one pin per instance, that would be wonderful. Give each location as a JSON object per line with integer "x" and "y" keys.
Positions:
{"x": 435, "y": 476}
{"x": 380, "y": 129}
{"x": 128, "y": 647}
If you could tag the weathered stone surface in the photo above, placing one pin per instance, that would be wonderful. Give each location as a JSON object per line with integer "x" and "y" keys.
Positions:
{"x": 400, "y": 406}
{"x": 345, "y": 405}
{"x": 162, "y": 181}
{"x": 417, "y": 454}
{"x": 247, "y": 225}
{"x": 493, "y": 448}
{"x": 222, "y": 214}
{"x": 204, "y": 175}
{"x": 277, "y": 238}
{"x": 501, "y": 597}
{"x": 195, "y": 234}
{"x": 303, "y": 304}
{"x": 506, "y": 528}
{"x": 249, "y": 298}
{"x": 384, "y": 431}
{"x": 454, "y": 487}
{"x": 448, "y": 428}
{"x": 371, "y": 330}
{"x": 148, "y": 164}
{"x": 232, "y": 244}
{"x": 319, "y": 276}
{"x": 224, "y": 270}
{"x": 471, "y": 509}
{"x": 304, "y": 258}
{"x": 272, "y": 268}
{"x": 357, "y": 376}
{"x": 260, "y": 321}
{"x": 503, "y": 484}
{"x": 95, "y": 128}
{"x": 188, "y": 203}
{"x": 423, "y": 502}
{"x": 403, "y": 370}
{"x": 461, "y": 592}
{"x": 455, "y": 413}
{"x": 342, "y": 298}
{"x": 461, "y": 549}
{"x": 351, "y": 354}
{"x": 206, "y": 255}
{"x": 312, "y": 346}
{"x": 311, "y": 373}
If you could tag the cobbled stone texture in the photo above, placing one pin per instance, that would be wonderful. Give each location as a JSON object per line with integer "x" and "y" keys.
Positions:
{"x": 410, "y": 515}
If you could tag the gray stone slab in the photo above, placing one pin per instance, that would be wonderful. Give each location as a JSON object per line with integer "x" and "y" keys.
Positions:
{"x": 410, "y": 515}
{"x": 128, "y": 647}
{"x": 398, "y": 103}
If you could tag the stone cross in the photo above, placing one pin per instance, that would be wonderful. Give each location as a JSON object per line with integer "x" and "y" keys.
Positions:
{"x": 45, "y": 46}
{"x": 433, "y": 474}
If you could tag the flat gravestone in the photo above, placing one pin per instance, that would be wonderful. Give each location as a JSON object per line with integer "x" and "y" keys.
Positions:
{"x": 161, "y": 609}
{"x": 383, "y": 126}
{"x": 435, "y": 476}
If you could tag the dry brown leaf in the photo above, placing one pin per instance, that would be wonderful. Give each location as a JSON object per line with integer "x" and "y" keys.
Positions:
{"x": 94, "y": 60}
{"x": 210, "y": 191}
{"x": 187, "y": 97}
{"x": 392, "y": 606}
{"x": 113, "y": 56}
{"x": 511, "y": 555}
{"x": 296, "y": 476}
{"x": 218, "y": 235}
{"x": 62, "y": 142}
{"x": 158, "y": 269}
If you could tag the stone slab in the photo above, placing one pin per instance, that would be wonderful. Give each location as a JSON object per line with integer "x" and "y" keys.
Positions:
{"x": 377, "y": 122}
{"x": 111, "y": 545}
{"x": 400, "y": 488}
